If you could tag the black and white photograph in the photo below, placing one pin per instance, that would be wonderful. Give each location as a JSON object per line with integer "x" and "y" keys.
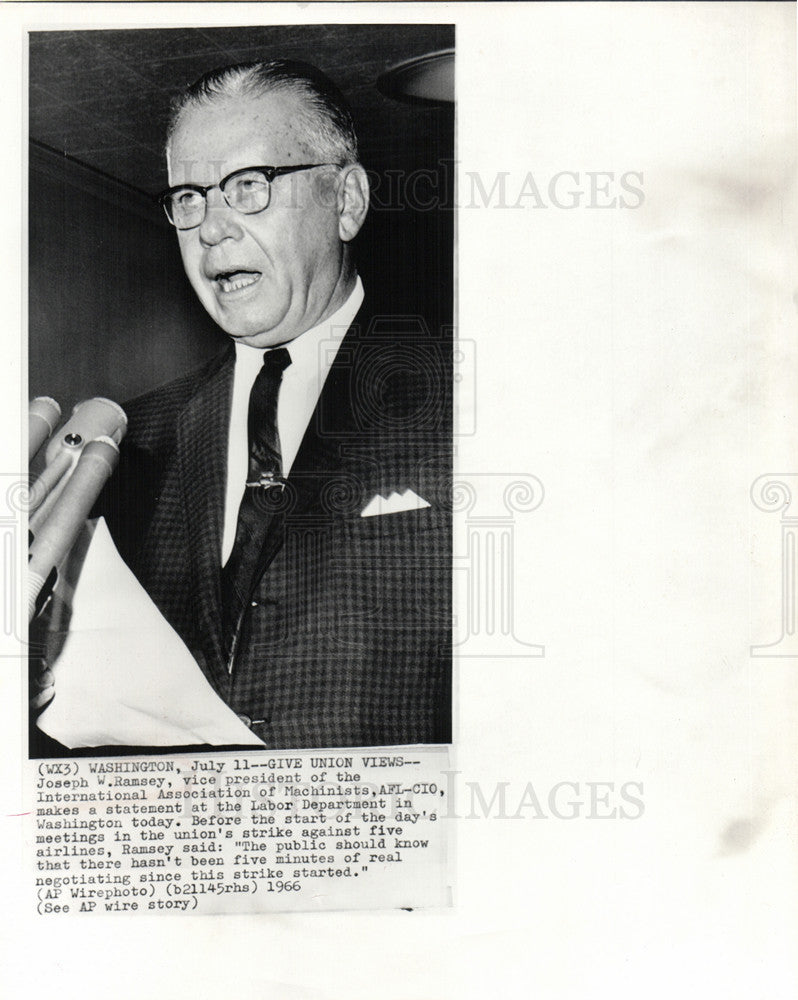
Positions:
{"x": 263, "y": 279}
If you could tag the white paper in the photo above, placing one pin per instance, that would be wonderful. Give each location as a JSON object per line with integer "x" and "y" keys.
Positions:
{"x": 616, "y": 363}
{"x": 123, "y": 676}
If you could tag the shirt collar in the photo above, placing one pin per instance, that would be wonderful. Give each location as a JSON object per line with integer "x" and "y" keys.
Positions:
{"x": 304, "y": 349}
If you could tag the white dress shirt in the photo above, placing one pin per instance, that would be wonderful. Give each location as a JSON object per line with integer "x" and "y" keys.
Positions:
{"x": 312, "y": 354}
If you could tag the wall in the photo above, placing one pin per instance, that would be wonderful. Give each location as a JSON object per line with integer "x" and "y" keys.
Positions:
{"x": 110, "y": 310}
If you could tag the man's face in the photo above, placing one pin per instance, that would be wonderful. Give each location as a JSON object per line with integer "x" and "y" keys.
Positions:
{"x": 264, "y": 278}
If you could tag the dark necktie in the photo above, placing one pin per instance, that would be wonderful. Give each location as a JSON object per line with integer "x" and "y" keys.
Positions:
{"x": 264, "y": 474}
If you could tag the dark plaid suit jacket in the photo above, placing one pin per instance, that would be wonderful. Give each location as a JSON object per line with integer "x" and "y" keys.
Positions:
{"x": 347, "y": 637}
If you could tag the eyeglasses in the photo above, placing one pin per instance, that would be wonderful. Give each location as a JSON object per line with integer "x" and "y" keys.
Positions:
{"x": 247, "y": 190}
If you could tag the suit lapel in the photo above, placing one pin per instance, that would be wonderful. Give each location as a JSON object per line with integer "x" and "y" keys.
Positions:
{"x": 330, "y": 431}
{"x": 202, "y": 438}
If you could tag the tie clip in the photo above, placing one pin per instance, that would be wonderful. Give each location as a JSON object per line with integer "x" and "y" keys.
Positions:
{"x": 267, "y": 480}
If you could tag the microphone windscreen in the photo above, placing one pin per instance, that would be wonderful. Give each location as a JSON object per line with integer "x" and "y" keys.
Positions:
{"x": 90, "y": 419}
{"x": 43, "y": 416}
{"x": 93, "y": 418}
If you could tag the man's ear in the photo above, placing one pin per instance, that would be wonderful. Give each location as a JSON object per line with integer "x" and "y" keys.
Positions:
{"x": 353, "y": 200}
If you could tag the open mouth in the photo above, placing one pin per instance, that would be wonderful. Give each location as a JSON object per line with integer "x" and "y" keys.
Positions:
{"x": 234, "y": 281}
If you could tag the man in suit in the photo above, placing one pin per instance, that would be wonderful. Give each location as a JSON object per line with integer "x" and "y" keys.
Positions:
{"x": 287, "y": 506}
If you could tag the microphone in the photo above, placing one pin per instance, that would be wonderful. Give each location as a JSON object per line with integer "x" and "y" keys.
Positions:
{"x": 69, "y": 512}
{"x": 93, "y": 418}
{"x": 43, "y": 416}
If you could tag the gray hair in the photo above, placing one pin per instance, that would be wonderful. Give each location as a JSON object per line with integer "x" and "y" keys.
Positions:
{"x": 327, "y": 122}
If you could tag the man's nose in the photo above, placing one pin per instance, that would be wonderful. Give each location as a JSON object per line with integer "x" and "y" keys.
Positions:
{"x": 221, "y": 222}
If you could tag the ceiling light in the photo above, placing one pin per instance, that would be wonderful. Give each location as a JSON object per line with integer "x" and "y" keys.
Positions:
{"x": 425, "y": 78}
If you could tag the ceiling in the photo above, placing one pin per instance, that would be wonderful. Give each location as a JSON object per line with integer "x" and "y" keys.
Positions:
{"x": 102, "y": 97}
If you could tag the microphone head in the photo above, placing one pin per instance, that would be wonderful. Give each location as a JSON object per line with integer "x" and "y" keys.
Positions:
{"x": 115, "y": 407}
{"x": 93, "y": 418}
{"x": 47, "y": 409}
{"x": 102, "y": 449}
{"x": 43, "y": 416}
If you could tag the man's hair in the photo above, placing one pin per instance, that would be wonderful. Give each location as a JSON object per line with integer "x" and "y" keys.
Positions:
{"x": 326, "y": 123}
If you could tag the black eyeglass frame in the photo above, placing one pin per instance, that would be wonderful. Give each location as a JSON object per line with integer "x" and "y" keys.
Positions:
{"x": 268, "y": 172}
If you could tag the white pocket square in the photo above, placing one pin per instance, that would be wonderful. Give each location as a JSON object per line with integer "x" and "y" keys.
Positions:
{"x": 394, "y": 504}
